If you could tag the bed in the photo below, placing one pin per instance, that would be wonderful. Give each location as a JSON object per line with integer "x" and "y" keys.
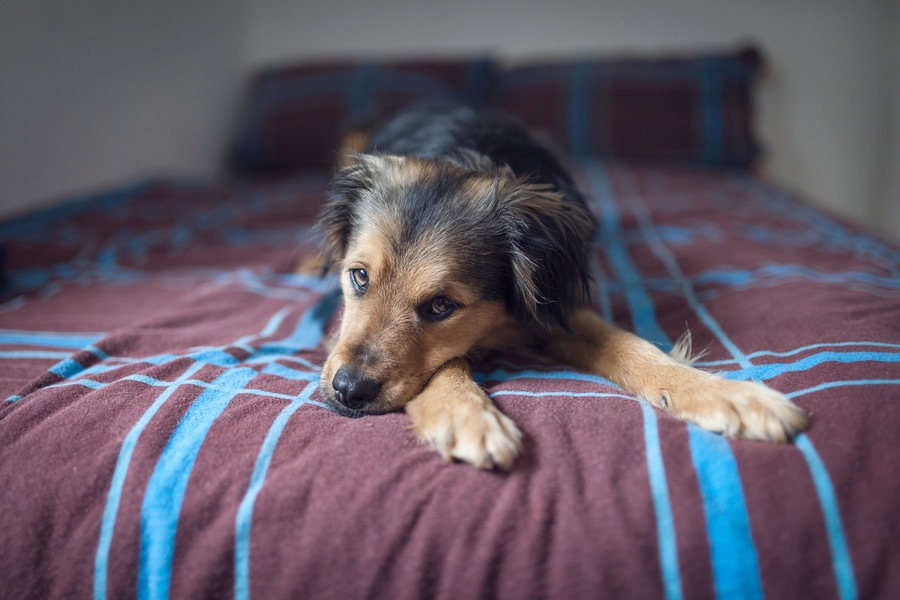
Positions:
{"x": 161, "y": 432}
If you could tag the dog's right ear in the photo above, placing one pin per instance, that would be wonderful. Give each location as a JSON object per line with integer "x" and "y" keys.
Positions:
{"x": 336, "y": 219}
{"x": 363, "y": 175}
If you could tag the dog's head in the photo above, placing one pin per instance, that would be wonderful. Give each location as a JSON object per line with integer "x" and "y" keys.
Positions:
{"x": 434, "y": 259}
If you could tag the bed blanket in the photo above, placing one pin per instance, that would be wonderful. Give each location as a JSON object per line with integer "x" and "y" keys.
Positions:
{"x": 161, "y": 431}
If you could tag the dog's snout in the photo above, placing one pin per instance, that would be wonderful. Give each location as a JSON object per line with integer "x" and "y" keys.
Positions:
{"x": 353, "y": 389}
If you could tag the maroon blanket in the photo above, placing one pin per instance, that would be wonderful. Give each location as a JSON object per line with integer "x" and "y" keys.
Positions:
{"x": 162, "y": 434}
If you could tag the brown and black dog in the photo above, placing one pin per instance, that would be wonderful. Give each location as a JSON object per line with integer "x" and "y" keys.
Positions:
{"x": 456, "y": 231}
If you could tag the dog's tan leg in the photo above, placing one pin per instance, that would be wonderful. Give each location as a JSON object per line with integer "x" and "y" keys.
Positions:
{"x": 454, "y": 416}
{"x": 739, "y": 409}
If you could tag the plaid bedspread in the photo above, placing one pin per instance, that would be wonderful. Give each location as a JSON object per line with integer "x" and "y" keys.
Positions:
{"x": 162, "y": 434}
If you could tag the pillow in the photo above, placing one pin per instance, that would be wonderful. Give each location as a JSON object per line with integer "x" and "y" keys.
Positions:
{"x": 294, "y": 115}
{"x": 692, "y": 109}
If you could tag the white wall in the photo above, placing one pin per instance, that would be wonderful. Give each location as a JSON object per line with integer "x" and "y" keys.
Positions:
{"x": 99, "y": 90}
{"x": 889, "y": 209}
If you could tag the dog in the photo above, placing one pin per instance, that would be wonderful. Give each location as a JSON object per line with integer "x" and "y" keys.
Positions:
{"x": 455, "y": 231}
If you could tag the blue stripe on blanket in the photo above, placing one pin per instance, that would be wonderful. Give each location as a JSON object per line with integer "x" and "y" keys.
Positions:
{"x": 257, "y": 479}
{"x": 842, "y": 383}
{"x": 662, "y": 506}
{"x": 837, "y": 541}
{"x": 644, "y": 316}
{"x": 39, "y": 354}
{"x": 799, "y": 350}
{"x": 168, "y": 483}
{"x": 310, "y": 327}
{"x": 768, "y": 371}
{"x": 735, "y": 563}
{"x": 47, "y": 339}
{"x": 639, "y": 301}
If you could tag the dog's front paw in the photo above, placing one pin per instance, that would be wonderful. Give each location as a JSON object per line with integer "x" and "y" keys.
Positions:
{"x": 740, "y": 409}
{"x": 469, "y": 429}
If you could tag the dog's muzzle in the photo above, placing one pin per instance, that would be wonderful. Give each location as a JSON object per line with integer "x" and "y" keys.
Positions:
{"x": 353, "y": 389}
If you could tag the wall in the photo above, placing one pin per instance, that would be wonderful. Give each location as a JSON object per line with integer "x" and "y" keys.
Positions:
{"x": 888, "y": 214}
{"x": 98, "y": 91}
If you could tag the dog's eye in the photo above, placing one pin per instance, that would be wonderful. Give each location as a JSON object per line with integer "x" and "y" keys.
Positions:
{"x": 438, "y": 308}
{"x": 360, "y": 279}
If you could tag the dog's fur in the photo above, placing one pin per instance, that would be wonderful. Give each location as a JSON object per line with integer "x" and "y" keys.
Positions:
{"x": 455, "y": 231}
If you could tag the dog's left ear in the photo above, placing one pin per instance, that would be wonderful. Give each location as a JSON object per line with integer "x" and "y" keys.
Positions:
{"x": 550, "y": 240}
{"x": 358, "y": 176}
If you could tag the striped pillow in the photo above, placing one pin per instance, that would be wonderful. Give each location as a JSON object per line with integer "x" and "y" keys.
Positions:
{"x": 695, "y": 109}
{"x": 293, "y": 115}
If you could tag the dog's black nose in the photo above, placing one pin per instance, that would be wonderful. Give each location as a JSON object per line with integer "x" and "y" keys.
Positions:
{"x": 353, "y": 389}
